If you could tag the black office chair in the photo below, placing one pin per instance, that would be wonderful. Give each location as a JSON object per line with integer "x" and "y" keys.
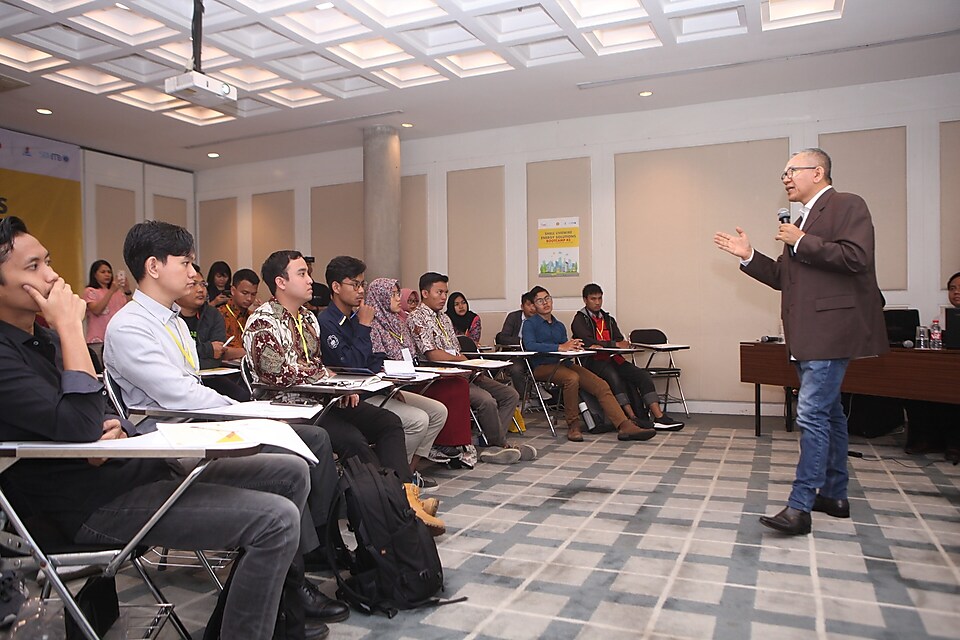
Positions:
{"x": 669, "y": 372}
{"x": 467, "y": 345}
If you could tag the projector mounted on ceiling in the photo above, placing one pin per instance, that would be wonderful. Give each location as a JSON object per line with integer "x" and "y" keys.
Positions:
{"x": 200, "y": 89}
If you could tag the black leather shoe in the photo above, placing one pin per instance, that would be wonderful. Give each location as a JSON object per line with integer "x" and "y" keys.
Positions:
{"x": 838, "y": 508}
{"x": 315, "y": 631}
{"x": 317, "y": 606}
{"x": 790, "y": 521}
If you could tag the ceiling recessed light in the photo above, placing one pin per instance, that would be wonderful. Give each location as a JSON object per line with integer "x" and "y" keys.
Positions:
{"x": 213, "y": 154}
{"x": 122, "y": 6}
{"x": 44, "y": 112}
{"x": 645, "y": 94}
{"x": 407, "y": 125}
{"x": 325, "y": 5}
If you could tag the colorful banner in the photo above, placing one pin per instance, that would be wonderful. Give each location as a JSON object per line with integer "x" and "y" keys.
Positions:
{"x": 558, "y": 245}
{"x": 40, "y": 183}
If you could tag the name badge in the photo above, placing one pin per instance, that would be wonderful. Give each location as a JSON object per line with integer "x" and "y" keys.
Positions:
{"x": 406, "y": 355}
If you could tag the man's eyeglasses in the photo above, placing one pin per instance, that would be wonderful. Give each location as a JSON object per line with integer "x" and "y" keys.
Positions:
{"x": 356, "y": 284}
{"x": 542, "y": 301}
{"x": 792, "y": 170}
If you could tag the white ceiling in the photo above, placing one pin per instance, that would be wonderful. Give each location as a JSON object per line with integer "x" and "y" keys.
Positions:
{"x": 447, "y": 66}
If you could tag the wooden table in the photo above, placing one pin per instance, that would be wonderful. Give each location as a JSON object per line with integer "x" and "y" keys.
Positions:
{"x": 912, "y": 374}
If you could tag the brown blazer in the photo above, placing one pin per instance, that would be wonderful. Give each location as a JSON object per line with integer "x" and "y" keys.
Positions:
{"x": 830, "y": 302}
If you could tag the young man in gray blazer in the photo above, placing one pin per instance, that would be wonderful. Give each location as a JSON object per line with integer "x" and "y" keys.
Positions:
{"x": 832, "y": 312}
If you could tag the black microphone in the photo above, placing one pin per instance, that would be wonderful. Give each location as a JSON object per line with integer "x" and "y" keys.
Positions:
{"x": 906, "y": 344}
{"x": 783, "y": 216}
{"x": 771, "y": 339}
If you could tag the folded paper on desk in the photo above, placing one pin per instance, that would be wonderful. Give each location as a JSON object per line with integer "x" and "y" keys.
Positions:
{"x": 218, "y": 371}
{"x": 443, "y": 371}
{"x": 398, "y": 368}
{"x": 272, "y": 432}
{"x": 485, "y": 364}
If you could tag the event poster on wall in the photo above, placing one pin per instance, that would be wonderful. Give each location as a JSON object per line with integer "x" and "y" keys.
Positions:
{"x": 40, "y": 183}
{"x": 558, "y": 244}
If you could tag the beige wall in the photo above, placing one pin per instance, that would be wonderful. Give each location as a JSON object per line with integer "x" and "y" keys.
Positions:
{"x": 559, "y": 189}
{"x": 670, "y": 275}
{"x": 217, "y": 229}
{"x": 476, "y": 253}
{"x": 272, "y": 226}
{"x": 172, "y": 210}
{"x": 949, "y": 200}
{"x": 413, "y": 229}
{"x": 116, "y": 213}
{"x": 873, "y": 164}
{"x": 336, "y": 222}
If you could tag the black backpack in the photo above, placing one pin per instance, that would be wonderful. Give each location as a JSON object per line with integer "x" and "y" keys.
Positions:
{"x": 396, "y": 564}
{"x": 601, "y": 424}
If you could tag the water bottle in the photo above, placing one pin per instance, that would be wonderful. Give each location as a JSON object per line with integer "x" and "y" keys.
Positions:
{"x": 936, "y": 335}
{"x": 587, "y": 416}
{"x": 923, "y": 338}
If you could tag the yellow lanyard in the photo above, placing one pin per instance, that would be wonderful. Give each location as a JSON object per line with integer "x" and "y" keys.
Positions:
{"x": 234, "y": 316}
{"x": 186, "y": 354}
{"x": 601, "y": 329}
{"x": 445, "y": 334}
{"x": 303, "y": 340}
{"x": 396, "y": 336}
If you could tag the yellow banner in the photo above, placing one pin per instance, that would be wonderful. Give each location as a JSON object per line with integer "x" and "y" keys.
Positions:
{"x": 562, "y": 237}
{"x": 52, "y": 210}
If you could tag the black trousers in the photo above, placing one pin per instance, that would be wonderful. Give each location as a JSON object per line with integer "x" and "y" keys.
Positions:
{"x": 628, "y": 382}
{"x": 353, "y": 430}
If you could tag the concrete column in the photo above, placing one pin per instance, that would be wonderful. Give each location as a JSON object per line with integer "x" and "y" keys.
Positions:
{"x": 381, "y": 201}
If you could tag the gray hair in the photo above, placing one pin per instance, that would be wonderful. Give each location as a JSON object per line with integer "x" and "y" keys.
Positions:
{"x": 822, "y": 159}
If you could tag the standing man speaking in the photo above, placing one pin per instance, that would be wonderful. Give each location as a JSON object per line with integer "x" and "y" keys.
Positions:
{"x": 832, "y": 311}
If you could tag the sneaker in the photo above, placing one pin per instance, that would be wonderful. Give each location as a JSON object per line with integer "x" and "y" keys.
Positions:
{"x": 666, "y": 423}
{"x": 643, "y": 423}
{"x": 500, "y": 455}
{"x": 423, "y": 482}
{"x": 527, "y": 452}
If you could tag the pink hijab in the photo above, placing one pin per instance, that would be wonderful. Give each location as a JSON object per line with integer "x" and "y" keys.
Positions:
{"x": 404, "y": 307}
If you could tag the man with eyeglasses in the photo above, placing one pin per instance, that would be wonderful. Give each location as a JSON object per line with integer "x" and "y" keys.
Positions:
{"x": 206, "y": 325}
{"x": 546, "y": 334}
{"x": 832, "y": 311}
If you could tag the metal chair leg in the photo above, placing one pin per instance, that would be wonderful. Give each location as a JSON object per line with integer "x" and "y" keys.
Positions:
{"x": 209, "y": 569}
{"x": 160, "y": 598}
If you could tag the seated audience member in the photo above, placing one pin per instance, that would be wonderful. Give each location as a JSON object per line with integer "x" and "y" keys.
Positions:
{"x": 509, "y": 336}
{"x": 492, "y": 401}
{"x": 149, "y": 353}
{"x": 321, "y": 292}
{"x": 465, "y": 322}
{"x": 933, "y": 427}
{"x": 345, "y": 342}
{"x": 207, "y": 326}
{"x": 105, "y": 295}
{"x": 391, "y": 339}
{"x": 218, "y": 279}
{"x": 409, "y": 300}
{"x": 283, "y": 343}
{"x": 243, "y": 295}
{"x": 544, "y": 333}
{"x": 632, "y": 386}
{"x": 50, "y": 392}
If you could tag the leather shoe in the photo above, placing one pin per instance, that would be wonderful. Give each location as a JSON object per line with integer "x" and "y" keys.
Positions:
{"x": 838, "y": 508}
{"x": 315, "y": 631}
{"x": 790, "y": 521}
{"x": 629, "y": 431}
{"x": 953, "y": 455}
{"x": 317, "y": 606}
{"x": 574, "y": 434}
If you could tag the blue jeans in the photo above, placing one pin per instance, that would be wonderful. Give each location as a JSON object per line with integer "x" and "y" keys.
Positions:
{"x": 823, "y": 434}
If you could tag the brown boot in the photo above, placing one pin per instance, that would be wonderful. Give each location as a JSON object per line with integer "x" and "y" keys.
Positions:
{"x": 434, "y": 525}
{"x": 430, "y": 505}
{"x": 630, "y": 431}
{"x": 574, "y": 434}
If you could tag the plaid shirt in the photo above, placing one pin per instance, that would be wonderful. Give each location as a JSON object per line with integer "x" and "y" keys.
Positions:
{"x": 281, "y": 354}
{"x": 432, "y": 330}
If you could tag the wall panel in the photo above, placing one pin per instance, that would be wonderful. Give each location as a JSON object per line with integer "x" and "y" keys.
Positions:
{"x": 116, "y": 213}
{"x": 172, "y": 210}
{"x": 476, "y": 253}
{"x": 218, "y": 232}
{"x": 949, "y": 201}
{"x": 272, "y": 225}
{"x": 336, "y": 222}
{"x": 413, "y": 229}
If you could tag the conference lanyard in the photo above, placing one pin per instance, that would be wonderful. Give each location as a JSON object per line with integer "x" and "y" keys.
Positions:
{"x": 234, "y": 316}
{"x": 303, "y": 340}
{"x": 442, "y": 328}
{"x": 601, "y": 329}
{"x": 186, "y": 354}
{"x": 396, "y": 336}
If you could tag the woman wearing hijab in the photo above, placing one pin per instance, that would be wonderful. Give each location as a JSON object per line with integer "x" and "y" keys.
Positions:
{"x": 465, "y": 322}
{"x": 409, "y": 300}
{"x": 390, "y": 336}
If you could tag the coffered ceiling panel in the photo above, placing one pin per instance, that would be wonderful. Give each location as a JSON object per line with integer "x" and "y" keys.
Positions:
{"x": 448, "y": 65}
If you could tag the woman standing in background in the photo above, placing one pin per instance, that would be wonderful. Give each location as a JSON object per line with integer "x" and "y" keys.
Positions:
{"x": 104, "y": 295}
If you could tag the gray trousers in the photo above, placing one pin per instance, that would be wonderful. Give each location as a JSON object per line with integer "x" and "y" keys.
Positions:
{"x": 493, "y": 402}
{"x": 254, "y": 503}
